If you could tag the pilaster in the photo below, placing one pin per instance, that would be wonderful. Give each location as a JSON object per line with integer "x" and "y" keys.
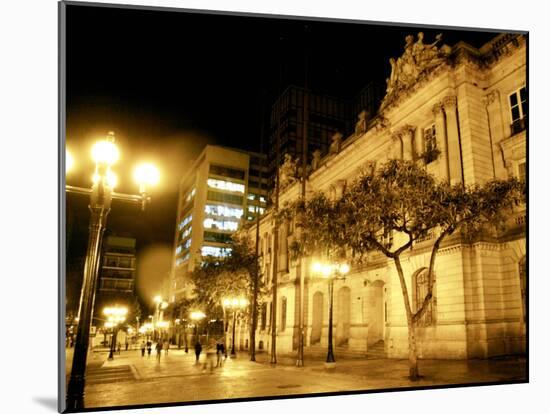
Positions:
{"x": 453, "y": 140}
{"x": 441, "y": 138}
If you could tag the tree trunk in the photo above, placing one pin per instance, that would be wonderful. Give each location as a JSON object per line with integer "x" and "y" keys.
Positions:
{"x": 413, "y": 359}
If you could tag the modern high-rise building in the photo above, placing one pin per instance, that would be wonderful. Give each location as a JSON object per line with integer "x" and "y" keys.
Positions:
{"x": 118, "y": 267}
{"x": 326, "y": 115}
{"x": 223, "y": 188}
{"x": 117, "y": 273}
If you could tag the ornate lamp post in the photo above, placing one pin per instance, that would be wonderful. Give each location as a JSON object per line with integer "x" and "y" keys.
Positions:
{"x": 115, "y": 316}
{"x": 161, "y": 305}
{"x": 236, "y": 304}
{"x": 196, "y": 317}
{"x": 330, "y": 271}
{"x": 105, "y": 154}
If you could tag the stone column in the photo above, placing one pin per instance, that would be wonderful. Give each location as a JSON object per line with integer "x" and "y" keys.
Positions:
{"x": 419, "y": 144}
{"x": 441, "y": 138}
{"x": 407, "y": 134}
{"x": 396, "y": 147}
{"x": 453, "y": 143}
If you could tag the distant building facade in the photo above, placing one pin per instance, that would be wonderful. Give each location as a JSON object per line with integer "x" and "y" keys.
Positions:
{"x": 118, "y": 267}
{"x": 224, "y": 187}
{"x": 461, "y": 112}
{"x": 117, "y": 278}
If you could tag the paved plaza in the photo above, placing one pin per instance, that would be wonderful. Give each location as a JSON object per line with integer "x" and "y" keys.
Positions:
{"x": 130, "y": 379}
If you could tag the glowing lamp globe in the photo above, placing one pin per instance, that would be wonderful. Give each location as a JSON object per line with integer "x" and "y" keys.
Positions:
{"x": 69, "y": 162}
{"x": 146, "y": 174}
{"x": 105, "y": 152}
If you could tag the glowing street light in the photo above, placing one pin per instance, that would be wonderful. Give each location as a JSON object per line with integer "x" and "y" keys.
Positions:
{"x": 115, "y": 316}
{"x": 69, "y": 162}
{"x": 146, "y": 174}
{"x": 105, "y": 154}
{"x": 161, "y": 304}
{"x": 236, "y": 304}
{"x": 196, "y": 317}
{"x": 330, "y": 271}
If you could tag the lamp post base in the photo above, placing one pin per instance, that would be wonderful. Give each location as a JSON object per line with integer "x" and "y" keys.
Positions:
{"x": 330, "y": 365}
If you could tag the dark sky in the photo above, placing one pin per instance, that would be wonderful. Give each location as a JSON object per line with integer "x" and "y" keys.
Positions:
{"x": 169, "y": 82}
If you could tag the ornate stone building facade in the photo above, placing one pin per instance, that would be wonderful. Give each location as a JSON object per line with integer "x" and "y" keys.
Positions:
{"x": 462, "y": 113}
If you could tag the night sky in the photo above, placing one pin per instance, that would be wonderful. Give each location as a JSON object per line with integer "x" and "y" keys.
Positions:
{"x": 167, "y": 83}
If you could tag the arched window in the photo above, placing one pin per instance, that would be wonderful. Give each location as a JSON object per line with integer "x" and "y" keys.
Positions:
{"x": 283, "y": 314}
{"x": 523, "y": 286}
{"x": 420, "y": 290}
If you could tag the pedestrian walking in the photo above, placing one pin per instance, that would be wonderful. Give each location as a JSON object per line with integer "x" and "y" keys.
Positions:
{"x": 148, "y": 349}
{"x": 142, "y": 348}
{"x": 119, "y": 346}
{"x": 126, "y": 344}
{"x": 220, "y": 351}
{"x": 210, "y": 352}
{"x": 166, "y": 347}
{"x": 198, "y": 349}
{"x": 158, "y": 349}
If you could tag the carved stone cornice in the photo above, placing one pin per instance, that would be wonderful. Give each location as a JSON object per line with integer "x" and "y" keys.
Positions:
{"x": 449, "y": 102}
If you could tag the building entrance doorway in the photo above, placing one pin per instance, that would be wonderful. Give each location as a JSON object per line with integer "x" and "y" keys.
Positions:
{"x": 343, "y": 316}
{"x": 375, "y": 304}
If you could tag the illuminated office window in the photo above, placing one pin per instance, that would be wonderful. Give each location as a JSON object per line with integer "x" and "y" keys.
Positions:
{"x": 211, "y": 223}
{"x": 219, "y": 210}
{"x": 252, "y": 209}
{"x": 185, "y": 221}
{"x": 225, "y": 185}
{"x": 215, "y": 251}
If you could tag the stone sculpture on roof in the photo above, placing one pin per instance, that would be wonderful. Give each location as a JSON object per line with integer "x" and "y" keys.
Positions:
{"x": 287, "y": 172}
{"x": 361, "y": 124}
{"x": 417, "y": 59}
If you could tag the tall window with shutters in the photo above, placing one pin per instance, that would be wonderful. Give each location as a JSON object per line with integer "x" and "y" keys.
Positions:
{"x": 518, "y": 110}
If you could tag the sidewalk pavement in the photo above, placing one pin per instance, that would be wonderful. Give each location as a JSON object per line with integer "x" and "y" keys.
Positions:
{"x": 177, "y": 378}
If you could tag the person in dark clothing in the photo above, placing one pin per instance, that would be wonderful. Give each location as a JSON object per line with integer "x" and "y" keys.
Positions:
{"x": 159, "y": 350}
{"x": 148, "y": 349}
{"x": 142, "y": 348}
{"x": 198, "y": 349}
{"x": 220, "y": 351}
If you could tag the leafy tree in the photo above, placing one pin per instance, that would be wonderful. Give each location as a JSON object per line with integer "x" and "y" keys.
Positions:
{"x": 236, "y": 275}
{"x": 404, "y": 200}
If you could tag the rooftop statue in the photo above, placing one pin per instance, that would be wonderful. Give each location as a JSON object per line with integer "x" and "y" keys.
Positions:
{"x": 316, "y": 159}
{"x": 336, "y": 143}
{"x": 361, "y": 124}
{"x": 287, "y": 172}
{"x": 417, "y": 59}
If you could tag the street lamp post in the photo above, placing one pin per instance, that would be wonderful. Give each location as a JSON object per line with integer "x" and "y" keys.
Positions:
{"x": 235, "y": 304}
{"x": 330, "y": 271}
{"x": 105, "y": 154}
{"x": 115, "y": 316}
{"x": 196, "y": 317}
